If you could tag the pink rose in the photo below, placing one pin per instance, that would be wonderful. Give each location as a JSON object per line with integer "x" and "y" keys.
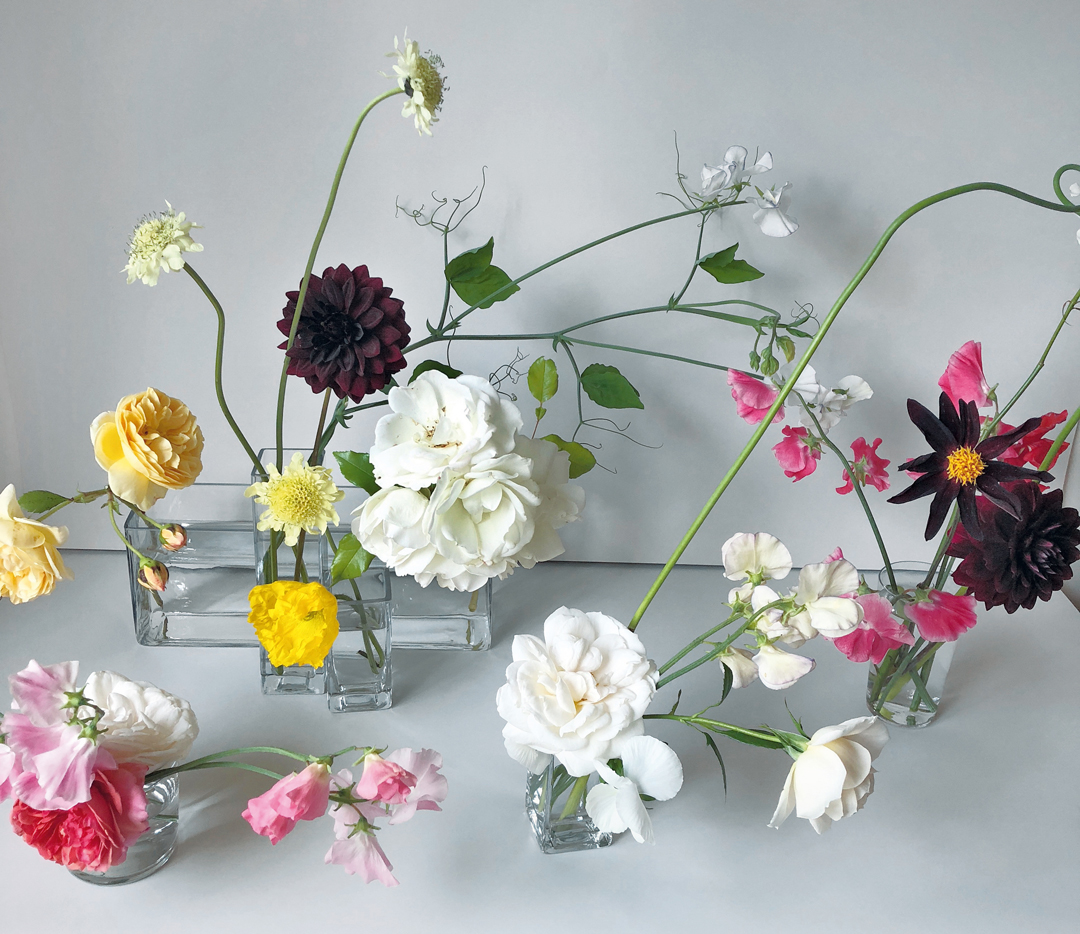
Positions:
{"x": 878, "y": 632}
{"x": 868, "y": 467}
{"x": 944, "y": 616}
{"x": 753, "y": 397}
{"x": 384, "y": 781}
{"x": 963, "y": 378}
{"x": 296, "y": 797}
{"x": 430, "y": 786}
{"x": 796, "y": 454}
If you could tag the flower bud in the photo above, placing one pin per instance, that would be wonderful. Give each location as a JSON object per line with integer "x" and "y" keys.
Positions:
{"x": 153, "y": 575}
{"x": 173, "y": 537}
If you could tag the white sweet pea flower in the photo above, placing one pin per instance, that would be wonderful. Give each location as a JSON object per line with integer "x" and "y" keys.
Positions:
{"x": 741, "y": 664}
{"x": 834, "y": 776}
{"x": 755, "y": 555}
{"x": 831, "y": 405}
{"x": 778, "y": 669}
{"x": 649, "y": 767}
{"x": 769, "y": 216}
{"x": 579, "y": 694}
{"x": 793, "y": 630}
{"x": 826, "y": 593}
{"x": 142, "y": 723}
{"x": 731, "y": 172}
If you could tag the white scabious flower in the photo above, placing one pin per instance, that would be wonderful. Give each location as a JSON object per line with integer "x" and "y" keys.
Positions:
{"x": 157, "y": 245}
{"x": 420, "y": 78}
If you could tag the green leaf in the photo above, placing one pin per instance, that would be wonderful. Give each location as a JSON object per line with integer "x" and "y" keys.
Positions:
{"x": 723, "y": 267}
{"x": 787, "y": 345}
{"x": 473, "y": 277}
{"x": 443, "y": 368}
{"x": 606, "y": 386}
{"x": 40, "y": 501}
{"x": 729, "y": 680}
{"x": 582, "y": 460}
{"x": 752, "y": 739}
{"x": 797, "y": 332}
{"x": 350, "y": 559}
{"x": 356, "y": 468}
{"x": 711, "y": 743}
{"x": 540, "y": 412}
{"x": 543, "y": 379}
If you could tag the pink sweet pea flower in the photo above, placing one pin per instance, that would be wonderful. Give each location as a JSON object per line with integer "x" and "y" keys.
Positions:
{"x": 753, "y": 397}
{"x": 963, "y": 378}
{"x": 430, "y": 786}
{"x": 1034, "y": 446}
{"x": 837, "y": 554}
{"x": 797, "y": 455}
{"x": 296, "y": 797}
{"x": 878, "y": 632}
{"x": 54, "y": 764}
{"x": 39, "y": 692}
{"x": 868, "y": 467}
{"x": 944, "y": 616}
{"x": 360, "y": 855}
{"x": 7, "y": 767}
{"x": 384, "y": 781}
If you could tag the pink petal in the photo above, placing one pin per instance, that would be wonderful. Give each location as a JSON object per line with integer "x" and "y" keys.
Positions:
{"x": 753, "y": 397}
{"x": 944, "y": 616}
{"x": 963, "y": 378}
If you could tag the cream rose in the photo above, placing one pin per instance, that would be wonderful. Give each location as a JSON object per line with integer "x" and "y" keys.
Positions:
{"x": 143, "y": 724}
{"x": 29, "y": 561}
{"x": 151, "y": 444}
{"x": 561, "y": 502}
{"x": 577, "y": 695}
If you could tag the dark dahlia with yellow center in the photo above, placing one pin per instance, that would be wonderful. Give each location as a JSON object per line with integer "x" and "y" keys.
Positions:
{"x": 351, "y": 333}
{"x": 1023, "y": 558}
{"x": 961, "y": 464}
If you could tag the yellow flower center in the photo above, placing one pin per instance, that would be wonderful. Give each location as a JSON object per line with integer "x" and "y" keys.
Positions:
{"x": 152, "y": 236}
{"x": 428, "y": 82}
{"x": 965, "y": 465}
{"x": 297, "y": 500}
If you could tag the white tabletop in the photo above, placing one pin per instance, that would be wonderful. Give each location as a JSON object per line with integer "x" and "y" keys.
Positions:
{"x": 973, "y": 826}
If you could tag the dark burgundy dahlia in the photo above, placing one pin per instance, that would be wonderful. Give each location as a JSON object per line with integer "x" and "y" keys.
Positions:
{"x": 960, "y": 464}
{"x": 1023, "y": 558}
{"x": 351, "y": 333}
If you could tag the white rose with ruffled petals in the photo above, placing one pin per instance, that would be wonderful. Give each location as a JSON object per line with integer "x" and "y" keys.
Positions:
{"x": 561, "y": 501}
{"x": 142, "y": 723}
{"x": 578, "y": 695}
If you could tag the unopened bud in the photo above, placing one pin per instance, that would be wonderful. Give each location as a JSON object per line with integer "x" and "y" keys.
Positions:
{"x": 173, "y": 537}
{"x": 153, "y": 575}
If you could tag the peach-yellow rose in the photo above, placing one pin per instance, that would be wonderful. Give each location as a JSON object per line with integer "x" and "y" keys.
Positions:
{"x": 29, "y": 561}
{"x": 149, "y": 445}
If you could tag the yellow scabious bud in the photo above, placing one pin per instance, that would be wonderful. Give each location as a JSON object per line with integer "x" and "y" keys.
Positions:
{"x": 151, "y": 444}
{"x": 29, "y": 561}
{"x": 296, "y": 623}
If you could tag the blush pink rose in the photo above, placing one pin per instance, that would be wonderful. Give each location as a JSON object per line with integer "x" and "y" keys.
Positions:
{"x": 944, "y": 616}
{"x": 93, "y": 835}
{"x": 753, "y": 397}
{"x": 868, "y": 467}
{"x": 878, "y": 632}
{"x": 796, "y": 455}
{"x": 963, "y": 379}
{"x": 430, "y": 788}
{"x": 384, "y": 781}
{"x": 296, "y": 797}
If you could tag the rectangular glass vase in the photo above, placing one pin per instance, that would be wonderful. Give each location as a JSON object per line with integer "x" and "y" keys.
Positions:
{"x": 555, "y": 805}
{"x": 205, "y": 602}
{"x": 433, "y": 617}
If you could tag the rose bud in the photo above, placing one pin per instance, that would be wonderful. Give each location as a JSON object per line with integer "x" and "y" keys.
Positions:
{"x": 153, "y": 575}
{"x": 173, "y": 537}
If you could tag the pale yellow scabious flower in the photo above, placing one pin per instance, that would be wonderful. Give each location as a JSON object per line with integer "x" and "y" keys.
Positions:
{"x": 156, "y": 245}
{"x": 29, "y": 561}
{"x": 300, "y": 498}
{"x": 418, "y": 76}
{"x": 296, "y": 623}
{"x": 151, "y": 444}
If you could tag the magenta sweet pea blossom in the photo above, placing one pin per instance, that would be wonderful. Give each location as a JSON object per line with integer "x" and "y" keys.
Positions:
{"x": 867, "y": 466}
{"x": 796, "y": 453}
{"x": 384, "y": 781}
{"x": 944, "y": 616}
{"x": 296, "y": 797}
{"x": 963, "y": 379}
{"x": 877, "y": 633}
{"x": 430, "y": 788}
{"x": 753, "y": 397}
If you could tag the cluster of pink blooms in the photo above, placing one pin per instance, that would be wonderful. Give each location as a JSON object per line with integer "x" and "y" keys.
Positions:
{"x": 391, "y": 788}
{"x": 74, "y": 802}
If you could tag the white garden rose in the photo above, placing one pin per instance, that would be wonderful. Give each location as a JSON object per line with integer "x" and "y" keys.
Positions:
{"x": 436, "y": 424}
{"x": 579, "y": 694}
{"x": 834, "y": 776}
{"x": 142, "y": 723}
{"x": 561, "y": 501}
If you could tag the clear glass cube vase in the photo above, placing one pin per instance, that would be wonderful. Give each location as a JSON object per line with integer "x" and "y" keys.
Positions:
{"x": 555, "y": 805}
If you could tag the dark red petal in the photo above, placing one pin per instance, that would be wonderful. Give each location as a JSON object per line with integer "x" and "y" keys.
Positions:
{"x": 939, "y": 508}
{"x": 933, "y": 430}
{"x": 992, "y": 447}
{"x": 923, "y": 486}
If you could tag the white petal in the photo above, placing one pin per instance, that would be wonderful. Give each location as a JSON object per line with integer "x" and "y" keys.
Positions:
{"x": 653, "y": 766}
{"x": 819, "y": 780}
{"x": 536, "y": 762}
{"x": 787, "y": 800}
{"x": 778, "y": 669}
{"x": 601, "y": 807}
{"x": 856, "y": 760}
{"x": 632, "y": 810}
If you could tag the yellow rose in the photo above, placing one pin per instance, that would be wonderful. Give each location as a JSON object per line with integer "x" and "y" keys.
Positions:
{"x": 149, "y": 445}
{"x": 29, "y": 561}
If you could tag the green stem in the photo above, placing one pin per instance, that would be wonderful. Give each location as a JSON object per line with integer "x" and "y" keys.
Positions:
{"x": 81, "y": 498}
{"x": 1060, "y": 439}
{"x": 715, "y": 726}
{"x": 574, "y": 799}
{"x": 697, "y": 258}
{"x": 279, "y": 424}
{"x": 367, "y": 405}
{"x": 708, "y": 656}
{"x": 247, "y": 767}
{"x": 218, "y": 354}
{"x": 112, "y": 518}
{"x": 682, "y": 653}
{"x": 811, "y": 349}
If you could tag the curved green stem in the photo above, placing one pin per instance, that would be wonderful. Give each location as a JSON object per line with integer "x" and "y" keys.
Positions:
{"x": 247, "y": 767}
{"x": 1060, "y": 439}
{"x": 686, "y": 650}
{"x": 697, "y": 259}
{"x": 717, "y": 726}
{"x": 811, "y": 349}
{"x": 218, "y": 354}
{"x": 279, "y": 424}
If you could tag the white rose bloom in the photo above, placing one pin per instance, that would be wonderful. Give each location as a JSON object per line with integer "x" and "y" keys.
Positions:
{"x": 143, "y": 724}
{"x": 826, "y": 592}
{"x": 579, "y": 694}
{"x": 561, "y": 501}
{"x": 778, "y": 669}
{"x": 834, "y": 776}
{"x": 437, "y": 423}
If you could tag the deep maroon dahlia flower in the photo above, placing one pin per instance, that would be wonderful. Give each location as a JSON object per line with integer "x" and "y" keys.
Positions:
{"x": 351, "y": 333}
{"x": 960, "y": 464}
{"x": 1020, "y": 558}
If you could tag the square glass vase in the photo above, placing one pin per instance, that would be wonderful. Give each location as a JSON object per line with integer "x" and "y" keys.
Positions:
{"x": 206, "y": 600}
{"x": 433, "y": 617}
{"x": 555, "y": 806}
